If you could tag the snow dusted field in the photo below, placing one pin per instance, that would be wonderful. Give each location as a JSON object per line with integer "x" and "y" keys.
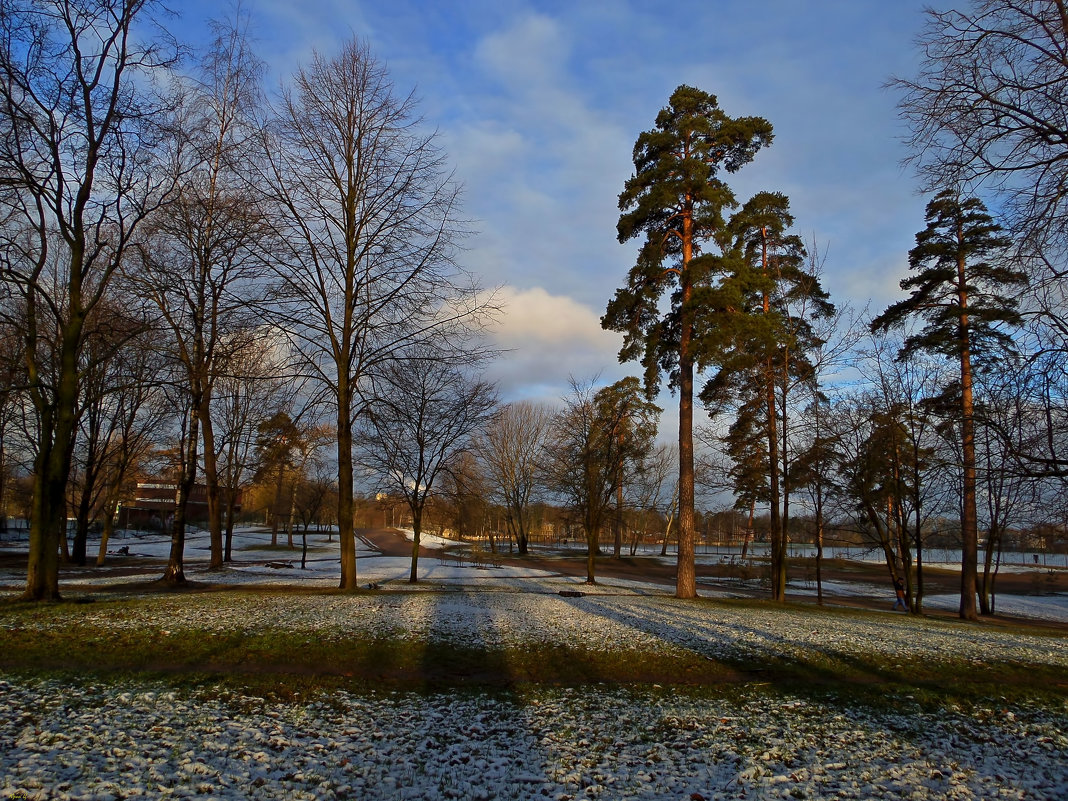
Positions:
{"x": 145, "y": 741}
{"x": 110, "y": 737}
{"x": 66, "y": 739}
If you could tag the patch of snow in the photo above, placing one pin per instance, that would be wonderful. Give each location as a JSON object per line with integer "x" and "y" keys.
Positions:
{"x": 431, "y": 540}
{"x": 256, "y": 562}
{"x": 1039, "y": 607}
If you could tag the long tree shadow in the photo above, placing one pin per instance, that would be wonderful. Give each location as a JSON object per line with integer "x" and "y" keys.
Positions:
{"x": 788, "y": 659}
{"x": 468, "y": 704}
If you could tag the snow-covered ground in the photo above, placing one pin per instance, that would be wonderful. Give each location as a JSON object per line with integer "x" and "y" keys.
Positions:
{"x": 1053, "y": 608}
{"x": 255, "y": 562}
{"x": 147, "y": 741}
{"x": 116, "y": 737}
{"x": 66, "y": 738}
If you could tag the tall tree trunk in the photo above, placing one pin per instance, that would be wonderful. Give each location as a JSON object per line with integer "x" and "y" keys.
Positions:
{"x": 784, "y": 455}
{"x": 417, "y": 529}
{"x": 292, "y": 509}
{"x": 819, "y": 543}
{"x": 277, "y": 505}
{"x": 593, "y": 544}
{"x": 685, "y": 577}
{"x": 48, "y": 512}
{"x": 618, "y": 543}
{"x": 47, "y": 517}
{"x": 916, "y": 601}
{"x": 3, "y": 478}
{"x": 211, "y": 480}
{"x": 521, "y": 535}
{"x": 346, "y": 535}
{"x": 778, "y": 564}
{"x": 968, "y": 523}
{"x": 778, "y": 535}
{"x": 175, "y": 572}
{"x": 82, "y": 518}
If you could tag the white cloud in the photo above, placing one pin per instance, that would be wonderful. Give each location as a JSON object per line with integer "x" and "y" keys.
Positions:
{"x": 543, "y": 163}
{"x": 547, "y": 339}
{"x": 530, "y": 52}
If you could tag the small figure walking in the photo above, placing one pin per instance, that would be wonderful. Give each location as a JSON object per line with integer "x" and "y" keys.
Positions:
{"x": 899, "y": 589}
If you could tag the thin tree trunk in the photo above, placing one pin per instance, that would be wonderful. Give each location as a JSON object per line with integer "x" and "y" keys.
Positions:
{"x": 277, "y": 505}
{"x": 82, "y": 519}
{"x": 969, "y": 522}
{"x": 672, "y": 511}
{"x": 110, "y": 505}
{"x": 778, "y": 560}
{"x": 618, "y": 543}
{"x": 229, "y": 535}
{"x": 986, "y": 594}
{"x": 592, "y": 546}
{"x": 784, "y": 456}
{"x": 778, "y": 565}
{"x": 916, "y": 601}
{"x": 292, "y": 510}
{"x": 211, "y": 480}
{"x": 819, "y": 545}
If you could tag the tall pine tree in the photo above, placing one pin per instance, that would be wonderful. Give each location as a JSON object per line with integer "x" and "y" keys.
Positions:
{"x": 771, "y": 337}
{"x": 961, "y": 288}
{"x": 676, "y": 199}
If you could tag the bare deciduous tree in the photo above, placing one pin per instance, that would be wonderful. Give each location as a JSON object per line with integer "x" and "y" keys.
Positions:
{"x": 592, "y": 438}
{"x": 511, "y": 452}
{"x": 250, "y": 390}
{"x": 79, "y": 134}
{"x": 368, "y": 230}
{"x": 426, "y": 414}
{"x": 115, "y": 393}
{"x": 988, "y": 107}
{"x": 197, "y": 262}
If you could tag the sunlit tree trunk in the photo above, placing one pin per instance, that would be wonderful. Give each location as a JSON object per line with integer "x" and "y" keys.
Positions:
{"x": 686, "y": 577}
{"x": 175, "y": 572}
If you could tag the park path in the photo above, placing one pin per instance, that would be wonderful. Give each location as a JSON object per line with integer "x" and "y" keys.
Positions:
{"x": 392, "y": 542}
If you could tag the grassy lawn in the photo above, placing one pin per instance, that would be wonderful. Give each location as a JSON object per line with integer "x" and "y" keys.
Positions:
{"x": 519, "y": 695}
{"x": 58, "y": 639}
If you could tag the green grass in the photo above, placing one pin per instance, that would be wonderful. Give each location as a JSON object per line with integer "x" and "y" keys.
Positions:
{"x": 56, "y": 638}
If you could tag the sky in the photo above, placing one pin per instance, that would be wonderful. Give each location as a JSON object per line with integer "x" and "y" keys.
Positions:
{"x": 537, "y": 105}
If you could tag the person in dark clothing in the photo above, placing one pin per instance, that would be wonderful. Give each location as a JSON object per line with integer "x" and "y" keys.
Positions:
{"x": 899, "y": 589}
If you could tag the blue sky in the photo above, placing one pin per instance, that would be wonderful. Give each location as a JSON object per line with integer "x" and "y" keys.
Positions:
{"x": 538, "y": 105}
